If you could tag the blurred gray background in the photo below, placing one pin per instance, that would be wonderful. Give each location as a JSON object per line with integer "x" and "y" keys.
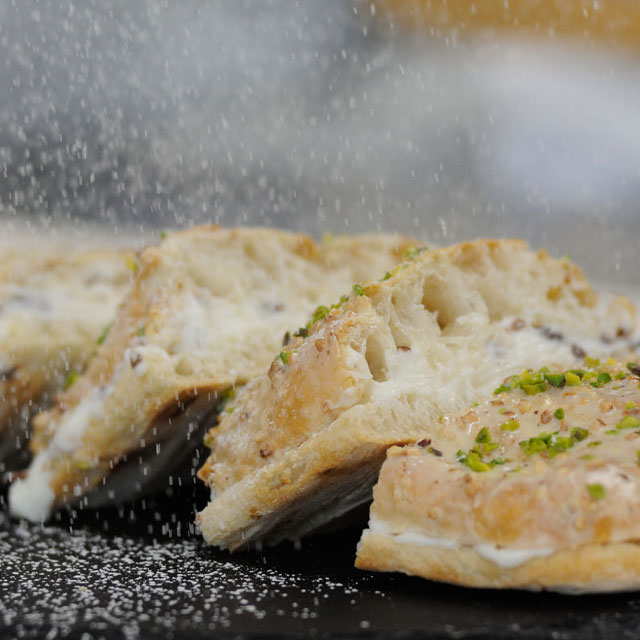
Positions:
{"x": 314, "y": 116}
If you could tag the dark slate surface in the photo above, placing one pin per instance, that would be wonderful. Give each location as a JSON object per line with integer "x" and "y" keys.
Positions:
{"x": 142, "y": 571}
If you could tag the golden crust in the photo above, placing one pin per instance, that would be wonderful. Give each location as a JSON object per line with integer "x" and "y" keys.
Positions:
{"x": 438, "y": 317}
{"x": 53, "y": 306}
{"x": 564, "y": 488}
{"x": 584, "y": 569}
{"x": 206, "y": 312}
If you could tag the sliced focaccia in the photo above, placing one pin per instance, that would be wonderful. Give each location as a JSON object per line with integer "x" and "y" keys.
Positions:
{"x": 54, "y": 304}
{"x": 536, "y": 486}
{"x": 304, "y": 442}
{"x": 207, "y": 311}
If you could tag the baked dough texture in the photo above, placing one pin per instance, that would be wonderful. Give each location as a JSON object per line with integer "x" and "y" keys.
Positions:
{"x": 303, "y": 443}
{"x": 208, "y": 309}
{"x": 54, "y": 303}
{"x": 530, "y": 490}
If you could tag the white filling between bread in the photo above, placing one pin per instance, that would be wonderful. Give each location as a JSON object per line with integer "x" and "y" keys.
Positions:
{"x": 32, "y": 497}
{"x": 86, "y": 307}
{"x": 446, "y": 375}
{"x": 68, "y": 436}
{"x": 502, "y": 556}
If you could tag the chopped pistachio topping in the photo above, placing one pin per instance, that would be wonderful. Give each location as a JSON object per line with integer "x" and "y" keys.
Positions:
{"x": 559, "y": 413}
{"x": 601, "y": 380}
{"x": 328, "y": 236}
{"x": 473, "y": 461}
{"x": 284, "y": 356}
{"x": 555, "y": 379}
{"x": 105, "y": 333}
{"x": 132, "y": 264}
{"x": 596, "y": 491}
{"x": 386, "y": 276}
{"x": 358, "y": 289}
{"x": 572, "y": 379}
{"x": 553, "y": 443}
{"x": 71, "y": 378}
{"x": 225, "y": 396}
{"x": 207, "y": 441}
{"x": 510, "y": 425}
{"x": 533, "y": 445}
{"x": 140, "y": 331}
{"x": 579, "y": 434}
{"x": 508, "y": 385}
{"x": 628, "y": 422}
{"x": 531, "y": 378}
{"x": 413, "y": 252}
{"x": 533, "y": 389}
{"x": 534, "y": 382}
{"x": 320, "y": 313}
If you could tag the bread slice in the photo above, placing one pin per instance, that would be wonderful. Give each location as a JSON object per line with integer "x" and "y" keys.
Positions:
{"x": 207, "y": 311}
{"x": 305, "y": 441}
{"x": 536, "y": 487}
{"x": 54, "y": 304}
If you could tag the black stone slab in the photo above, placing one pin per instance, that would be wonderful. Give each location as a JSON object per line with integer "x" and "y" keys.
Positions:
{"x": 142, "y": 571}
